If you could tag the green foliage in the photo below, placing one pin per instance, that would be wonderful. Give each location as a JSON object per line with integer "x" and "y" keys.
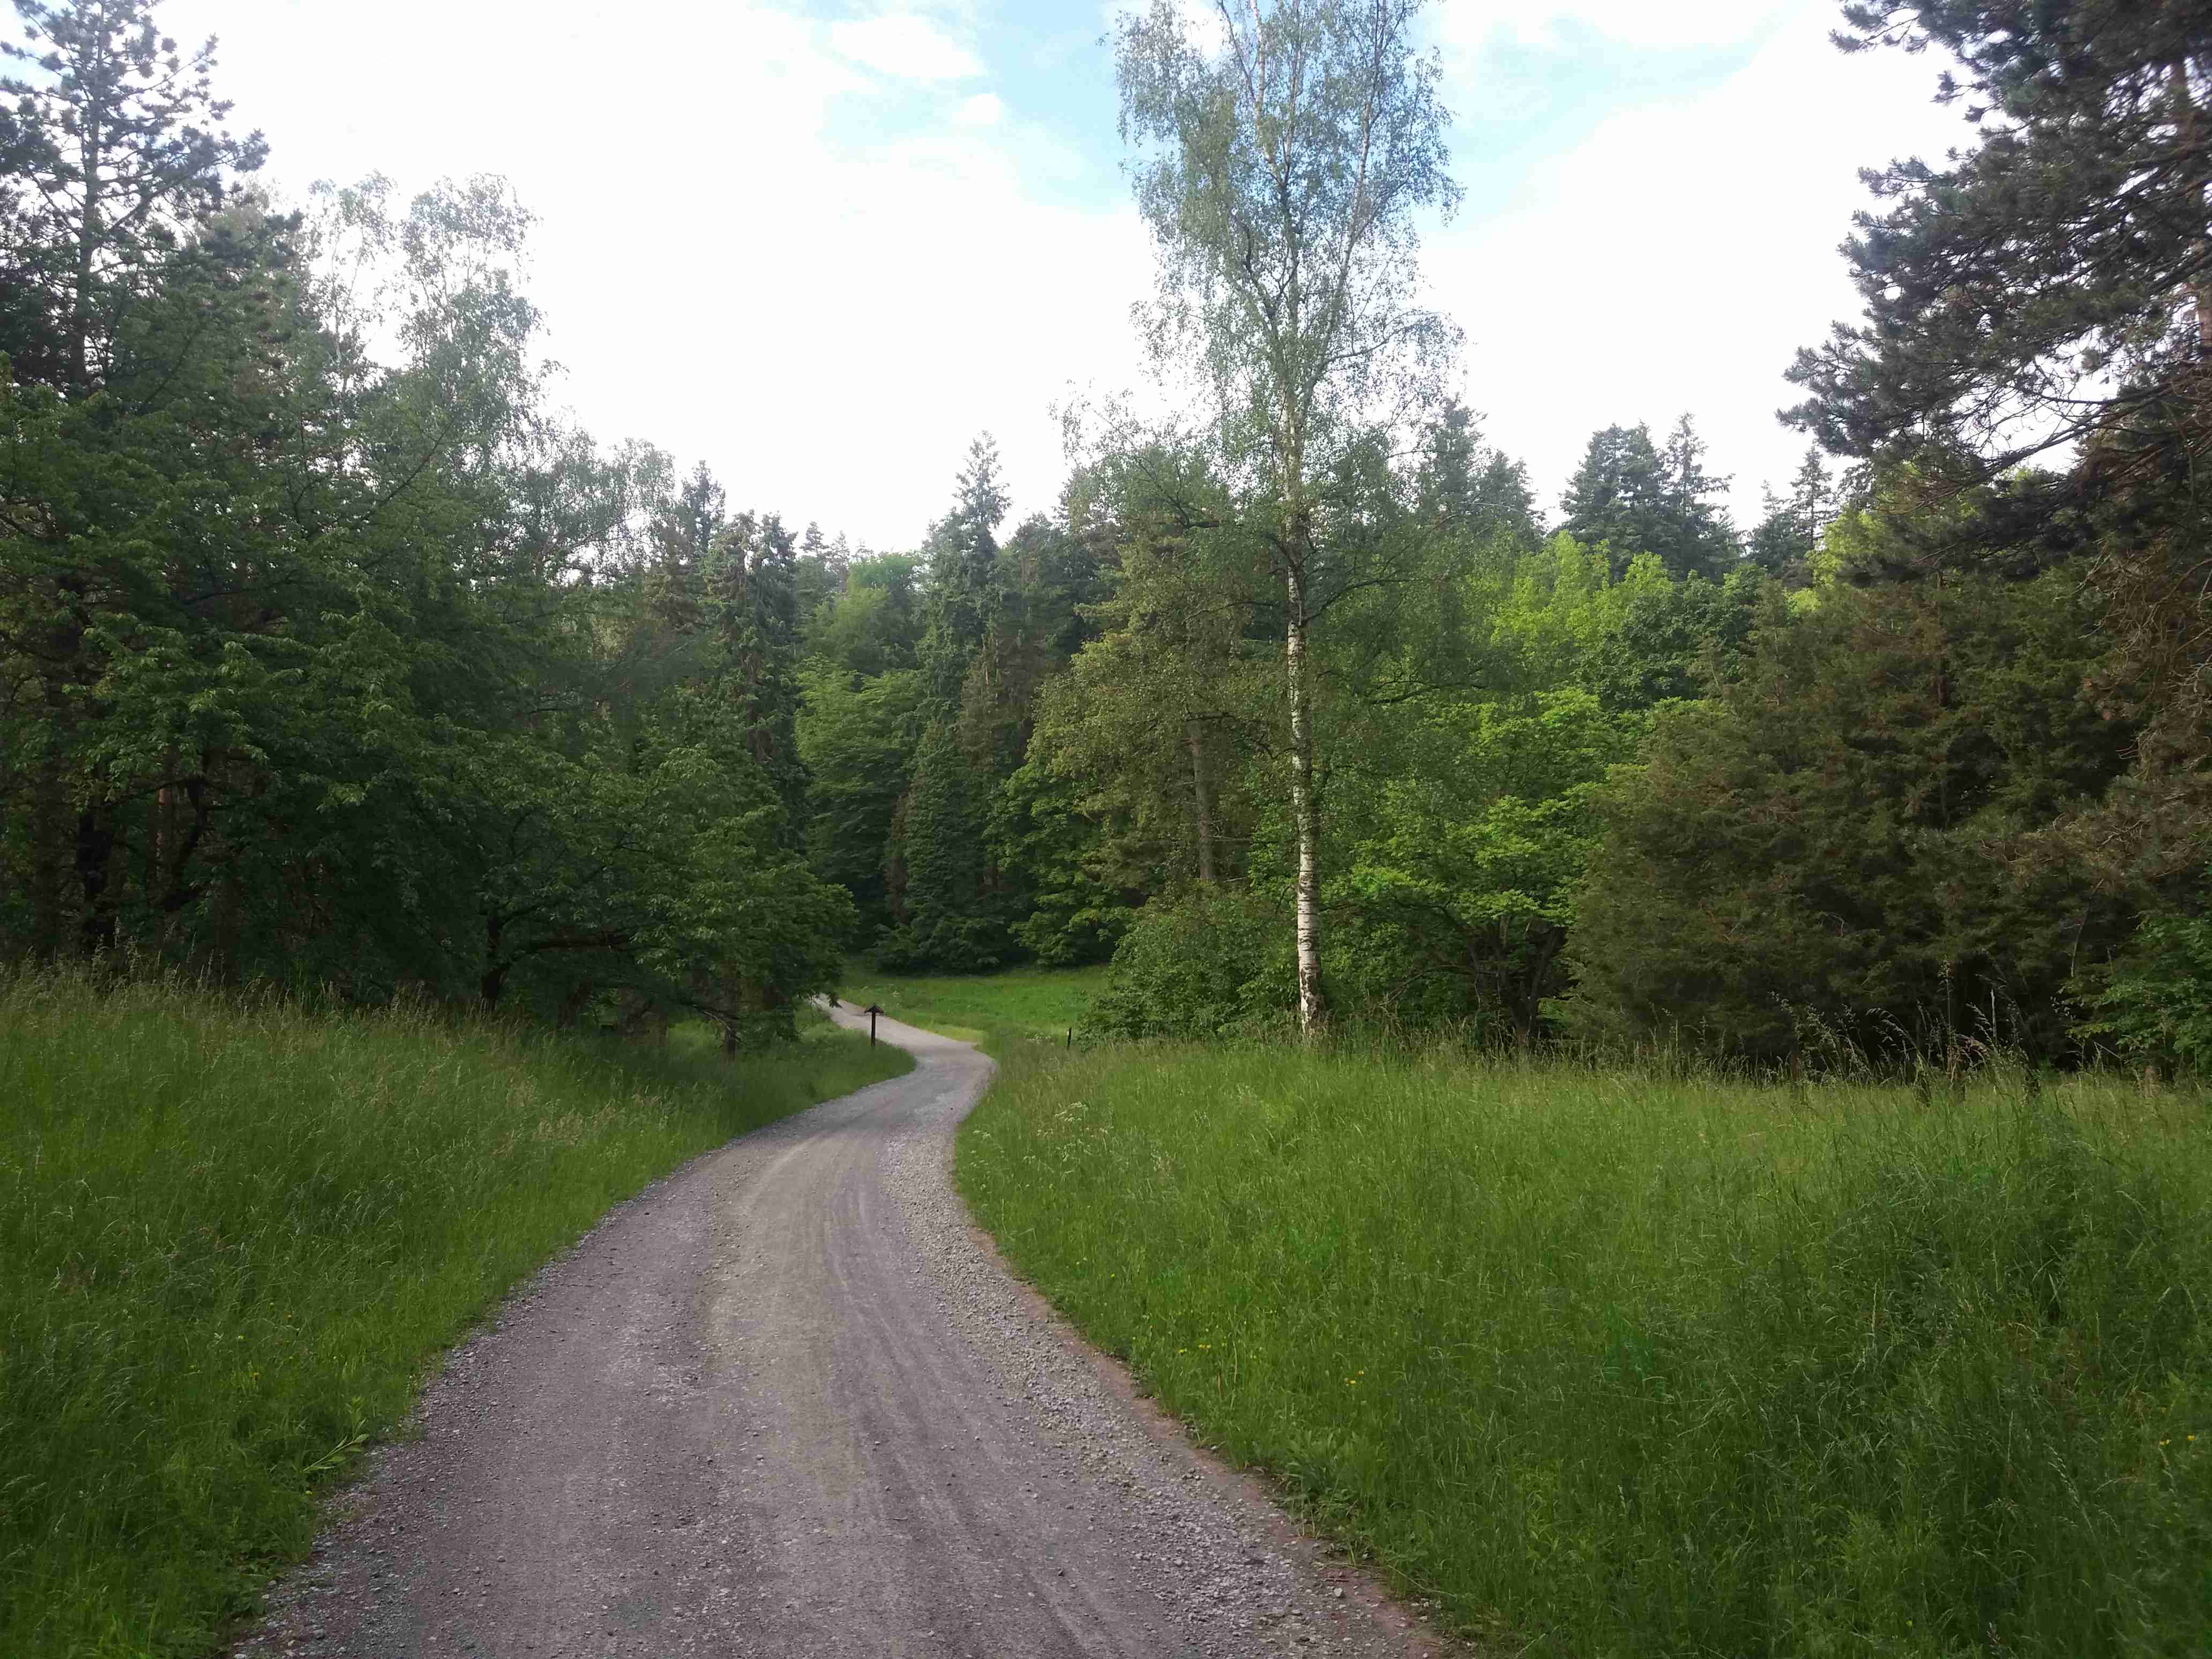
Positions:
{"x": 366, "y": 674}
{"x": 954, "y": 919}
{"x": 1074, "y": 913}
{"x": 1666, "y": 642}
{"x": 854, "y": 733}
{"x": 2153, "y": 1000}
{"x": 2047, "y": 287}
{"x": 233, "y": 1232}
{"x": 1199, "y": 964}
{"x": 873, "y": 626}
{"x": 1610, "y": 1365}
{"x": 1843, "y": 849}
{"x": 1630, "y": 497}
{"x": 1462, "y": 875}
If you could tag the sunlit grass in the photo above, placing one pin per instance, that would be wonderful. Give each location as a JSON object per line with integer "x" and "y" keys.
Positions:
{"x": 234, "y": 1234}
{"x": 1039, "y": 1003}
{"x": 1615, "y": 1365}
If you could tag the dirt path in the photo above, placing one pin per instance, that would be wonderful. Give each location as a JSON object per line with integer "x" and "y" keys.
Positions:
{"x": 787, "y": 1402}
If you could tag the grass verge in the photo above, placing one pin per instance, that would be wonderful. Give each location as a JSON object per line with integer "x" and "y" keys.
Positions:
{"x": 234, "y": 1234}
{"x": 1043, "y": 1005}
{"x": 1611, "y": 1365}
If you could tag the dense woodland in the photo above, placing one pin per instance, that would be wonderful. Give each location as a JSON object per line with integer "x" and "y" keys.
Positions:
{"x": 329, "y": 653}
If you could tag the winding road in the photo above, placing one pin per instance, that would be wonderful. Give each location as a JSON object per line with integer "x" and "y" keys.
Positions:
{"x": 787, "y": 1401}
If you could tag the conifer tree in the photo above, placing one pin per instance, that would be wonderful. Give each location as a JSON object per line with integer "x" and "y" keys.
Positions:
{"x": 116, "y": 159}
{"x": 2053, "y": 284}
{"x": 1633, "y": 497}
{"x": 1616, "y": 498}
{"x": 1790, "y": 527}
{"x": 963, "y": 558}
{"x": 753, "y": 582}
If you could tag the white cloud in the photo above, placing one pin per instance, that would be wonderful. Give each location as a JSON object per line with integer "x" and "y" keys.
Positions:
{"x": 904, "y": 45}
{"x": 1467, "y": 23}
{"x": 1678, "y": 257}
{"x": 829, "y": 329}
{"x": 983, "y": 110}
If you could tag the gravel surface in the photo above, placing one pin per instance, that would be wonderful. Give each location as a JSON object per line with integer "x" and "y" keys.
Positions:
{"x": 787, "y": 1401}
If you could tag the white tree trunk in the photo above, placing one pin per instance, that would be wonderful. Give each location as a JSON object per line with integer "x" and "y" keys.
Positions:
{"x": 1313, "y": 1013}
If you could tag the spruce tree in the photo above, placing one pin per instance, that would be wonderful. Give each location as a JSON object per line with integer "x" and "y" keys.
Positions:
{"x": 1617, "y": 497}
{"x": 953, "y": 922}
{"x": 1789, "y": 527}
{"x": 753, "y": 582}
{"x": 1697, "y": 539}
{"x": 963, "y": 557}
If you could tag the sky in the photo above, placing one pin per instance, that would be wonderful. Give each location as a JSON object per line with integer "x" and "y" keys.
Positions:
{"x": 822, "y": 245}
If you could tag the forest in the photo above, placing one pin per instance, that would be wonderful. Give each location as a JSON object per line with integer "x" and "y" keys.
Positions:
{"x": 332, "y": 653}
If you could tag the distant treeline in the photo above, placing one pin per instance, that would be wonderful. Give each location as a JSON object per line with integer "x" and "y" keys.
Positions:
{"x": 327, "y": 652}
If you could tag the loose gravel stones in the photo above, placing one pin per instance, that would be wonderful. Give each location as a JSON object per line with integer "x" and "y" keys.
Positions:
{"x": 788, "y": 1401}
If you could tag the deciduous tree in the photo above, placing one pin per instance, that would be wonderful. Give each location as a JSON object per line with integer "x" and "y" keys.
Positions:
{"x": 1284, "y": 160}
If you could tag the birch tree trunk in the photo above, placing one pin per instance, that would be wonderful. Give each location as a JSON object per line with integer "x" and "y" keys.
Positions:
{"x": 1313, "y": 1011}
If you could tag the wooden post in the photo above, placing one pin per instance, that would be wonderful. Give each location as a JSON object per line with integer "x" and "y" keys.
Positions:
{"x": 872, "y": 1011}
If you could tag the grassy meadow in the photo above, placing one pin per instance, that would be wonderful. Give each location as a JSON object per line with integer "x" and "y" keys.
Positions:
{"x": 994, "y": 1010}
{"x": 1611, "y": 1364}
{"x": 232, "y": 1236}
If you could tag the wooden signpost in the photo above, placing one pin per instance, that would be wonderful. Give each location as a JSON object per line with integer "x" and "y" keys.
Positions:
{"x": 872, "y": 1011}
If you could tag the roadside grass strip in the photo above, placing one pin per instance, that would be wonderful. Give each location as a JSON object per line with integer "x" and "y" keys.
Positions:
{"x": 234, "y": 1233}
{"x": 1610, "y": 1365}
{"x": 995, "y": 1010}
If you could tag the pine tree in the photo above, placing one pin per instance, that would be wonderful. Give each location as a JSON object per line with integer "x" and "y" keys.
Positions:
{"x": 2053, "y": 284}
{"x": 116, "y": 161}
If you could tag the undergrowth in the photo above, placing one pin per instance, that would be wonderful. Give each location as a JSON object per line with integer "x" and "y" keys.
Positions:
{"x": 1614, "y": 1363}
{"x": 233, "y": 1234}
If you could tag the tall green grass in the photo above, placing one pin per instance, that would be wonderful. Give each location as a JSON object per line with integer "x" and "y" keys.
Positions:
{"x": 997, "y": 1010}
{"x": 1615, "y": 1365}
{"x": 234, "y": 1233}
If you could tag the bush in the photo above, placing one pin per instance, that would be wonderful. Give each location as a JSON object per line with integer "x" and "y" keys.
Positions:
{"x": 1200, "y": 963}
{"x": 1847, "y": 846}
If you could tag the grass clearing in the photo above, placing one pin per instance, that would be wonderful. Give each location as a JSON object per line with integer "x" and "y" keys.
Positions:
{"x": 993, "y": 1010}
{"x": 1618, "y": 1365}
{"x": 235, "y": 1233}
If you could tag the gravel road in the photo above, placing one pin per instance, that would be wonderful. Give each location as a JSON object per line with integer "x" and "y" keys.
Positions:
{"x": 787, "y": 1401}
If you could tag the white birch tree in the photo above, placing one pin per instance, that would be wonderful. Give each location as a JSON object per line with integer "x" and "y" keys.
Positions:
{"x": 1284, "y": 153}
